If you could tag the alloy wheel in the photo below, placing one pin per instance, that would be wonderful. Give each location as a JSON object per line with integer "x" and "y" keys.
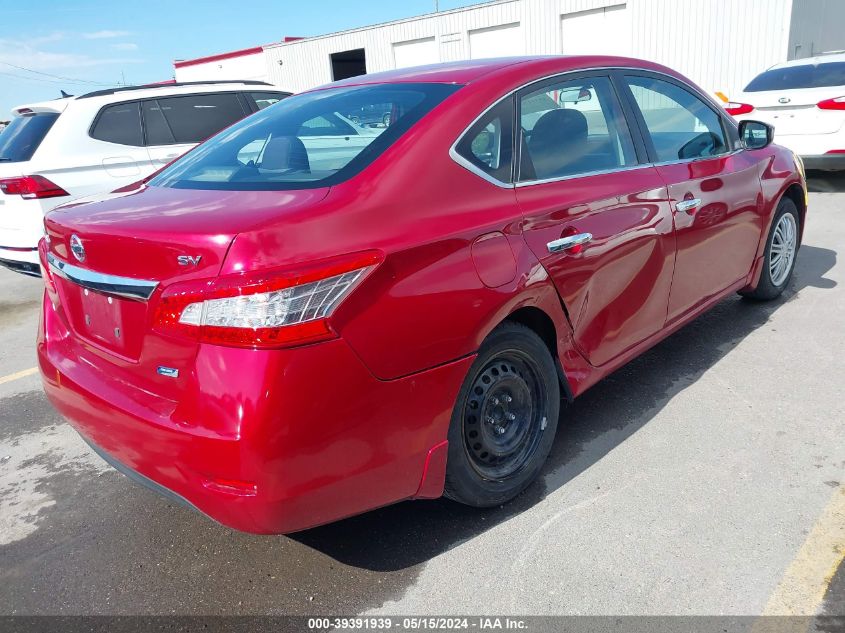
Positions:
{"x": 782, "y": 249}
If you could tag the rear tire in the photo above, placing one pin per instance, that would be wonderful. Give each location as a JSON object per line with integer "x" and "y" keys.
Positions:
{"x": 780, "y": 255}
{"x": 504, "y": 420}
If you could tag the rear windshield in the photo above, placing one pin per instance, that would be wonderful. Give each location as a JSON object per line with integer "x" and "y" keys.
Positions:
{"x": 23, "y": 135}
{"x": 305, "y": 141}
{"x": 793, "y": 77}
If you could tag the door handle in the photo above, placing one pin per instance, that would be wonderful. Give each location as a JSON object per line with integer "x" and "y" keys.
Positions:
{"x": 568, "y": 242}
{"x": 688, "y": 206}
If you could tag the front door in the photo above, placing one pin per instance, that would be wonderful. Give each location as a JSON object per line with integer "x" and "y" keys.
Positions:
{"x": 596, "y": 217}
{"x": 714, "y": 189}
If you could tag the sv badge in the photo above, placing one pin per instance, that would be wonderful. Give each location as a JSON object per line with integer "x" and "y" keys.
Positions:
{"x": 189, "y": 260}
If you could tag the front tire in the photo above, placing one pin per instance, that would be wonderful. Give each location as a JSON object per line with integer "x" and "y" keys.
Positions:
{"x": 504, "y": 420}
{"x": 781, "y": 251}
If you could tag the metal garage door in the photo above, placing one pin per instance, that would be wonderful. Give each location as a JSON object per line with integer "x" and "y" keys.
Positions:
{"x": 604, "y": 31}
{"x": 415, "y": 52}
{"x": 496, "y": 41}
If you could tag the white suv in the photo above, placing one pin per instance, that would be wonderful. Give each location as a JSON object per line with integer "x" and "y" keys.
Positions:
{"x": 805, "y": 102}
{"x": 55, "y": 151}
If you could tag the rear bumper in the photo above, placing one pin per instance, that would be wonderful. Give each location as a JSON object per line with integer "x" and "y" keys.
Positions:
{"x": 301, "y": 437}
{"x": 827, "y": 162}
{"x": 21, "y": 260}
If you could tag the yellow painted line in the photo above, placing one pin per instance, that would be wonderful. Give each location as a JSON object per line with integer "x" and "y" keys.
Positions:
{"x": 805, "y": 582}
{"x": 20, "y": 374}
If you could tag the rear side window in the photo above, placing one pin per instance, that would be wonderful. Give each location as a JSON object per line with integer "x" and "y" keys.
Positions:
{"x": 796, "y": 77}
{"x": 488, "y": 144}
{"x": 573, "y": 127}
{"x": 119, "y": 123}
{"x": 194, "y": 118}
{"x": 265, "y": 99}
{"x": 20, "y": 139}
{"x": 681, "y": 126}
{"x": 155, "y": 125}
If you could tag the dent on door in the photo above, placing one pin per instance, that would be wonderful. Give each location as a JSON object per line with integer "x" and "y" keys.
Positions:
{"x": 615, "y": 286}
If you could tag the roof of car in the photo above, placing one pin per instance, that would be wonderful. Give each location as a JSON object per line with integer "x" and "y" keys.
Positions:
{"x": 127, "y": 93}
{"x": 826, "y": 58}
{"x": 169, "y": 86}
{"x": 459, "y": 72}
{"x": 464, "y": 72}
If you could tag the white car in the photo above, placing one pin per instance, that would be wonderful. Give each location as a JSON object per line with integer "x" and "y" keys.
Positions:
{"x": 56, "y": 151}
{"x": 805, "y": 102}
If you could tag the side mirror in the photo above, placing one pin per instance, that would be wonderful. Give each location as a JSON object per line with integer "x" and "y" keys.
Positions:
{"x": 756, "y": 134}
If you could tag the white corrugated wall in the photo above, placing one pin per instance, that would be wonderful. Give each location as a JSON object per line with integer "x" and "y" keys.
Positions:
{"x": 720, "y": 44}
{"x": 306, "y": 63}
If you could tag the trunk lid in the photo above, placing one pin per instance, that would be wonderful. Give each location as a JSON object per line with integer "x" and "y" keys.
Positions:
{"x": 794, "y": 111}
{"x": 102, "y": 248}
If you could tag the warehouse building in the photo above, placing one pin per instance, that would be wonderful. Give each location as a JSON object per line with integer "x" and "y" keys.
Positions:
{"x": 719, "y": 44}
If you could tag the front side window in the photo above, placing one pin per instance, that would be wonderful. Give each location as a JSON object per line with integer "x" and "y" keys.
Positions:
{"x": 488, "y": 144}
{"x": 681, "y": 126}
{"x": 572, "y": 127}
{"x": 23, "y": 135}
{"x": 119, "y": 123}
{"x": 277, "y": 148}
{"x": 194, "y": 118}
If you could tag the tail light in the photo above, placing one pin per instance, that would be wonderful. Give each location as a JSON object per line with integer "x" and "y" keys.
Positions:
{"x": 733, "y": 108}
{"x": 268, "y": 309}
{"x": 46, "y": 275}
{"x": 31, "y": 187}
{"x": 837, "y": 103}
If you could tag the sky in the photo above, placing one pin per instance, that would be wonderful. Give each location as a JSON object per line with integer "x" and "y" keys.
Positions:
{"x": 84, "y": 45}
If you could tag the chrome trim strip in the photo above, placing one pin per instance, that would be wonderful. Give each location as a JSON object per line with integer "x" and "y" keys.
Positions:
{"x": 700, "y": 158}
{"x": 586, "y": 174}
{"x": 126, "y": 287}
{"x": 463, "y": 162}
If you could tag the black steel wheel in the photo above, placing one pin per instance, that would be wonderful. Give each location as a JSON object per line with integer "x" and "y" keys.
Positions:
{"x": 504, "y": 415}
{"x": 504, "y": 420}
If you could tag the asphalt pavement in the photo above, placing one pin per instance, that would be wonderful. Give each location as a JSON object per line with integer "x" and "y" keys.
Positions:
{"x": 705, "y": 477}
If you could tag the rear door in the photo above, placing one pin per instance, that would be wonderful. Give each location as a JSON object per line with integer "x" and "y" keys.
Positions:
{"x": 596, "y": 214}
{"x": 173, "y": 125}
{"x": 121, "y": 156}
{"x": 713, "y": 185}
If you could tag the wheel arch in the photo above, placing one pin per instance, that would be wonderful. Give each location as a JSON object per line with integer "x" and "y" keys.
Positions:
{"x": 795, "y": 192}
{"x": 539, "y": 322}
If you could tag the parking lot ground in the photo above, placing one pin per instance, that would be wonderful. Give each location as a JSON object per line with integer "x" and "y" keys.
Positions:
{"x": 705, "y": 477}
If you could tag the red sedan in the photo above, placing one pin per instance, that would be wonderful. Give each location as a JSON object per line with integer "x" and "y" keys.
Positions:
{"x": 303, "y": 319}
